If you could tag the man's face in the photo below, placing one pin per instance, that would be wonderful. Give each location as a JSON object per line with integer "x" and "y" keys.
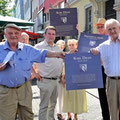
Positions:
{"x": 50, "y": 36}
{"x": 24, "y": 39}
{"x": 113, "y": 31}
{"x": 100, "y": 29}
{"x": 13, "y": 36}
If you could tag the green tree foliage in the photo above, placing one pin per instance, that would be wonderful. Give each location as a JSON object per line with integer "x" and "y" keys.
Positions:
{"x": 4, "y": 8}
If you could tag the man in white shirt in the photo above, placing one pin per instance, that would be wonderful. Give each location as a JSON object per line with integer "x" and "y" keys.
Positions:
{"x": 110, "y": 56}
{"x": 50, "y": 73}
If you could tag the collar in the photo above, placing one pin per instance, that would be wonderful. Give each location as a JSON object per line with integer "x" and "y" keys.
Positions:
{"x": 20, "y": 45}
{"x": 46, "y": 44}
{"x": 118, "y": 38}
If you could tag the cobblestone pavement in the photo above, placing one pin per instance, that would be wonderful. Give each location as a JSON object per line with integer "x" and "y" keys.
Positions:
{"x": 94, "y": 111}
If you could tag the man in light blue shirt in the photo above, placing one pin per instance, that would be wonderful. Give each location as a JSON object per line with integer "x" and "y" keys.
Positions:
{"x": 15, "y": 90}
{"x": 19, "y": 66}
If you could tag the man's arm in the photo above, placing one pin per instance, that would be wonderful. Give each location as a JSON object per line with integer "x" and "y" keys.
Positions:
{"x": 59, "y": 54}
{"x": 55, "y": 54}
{"x": 35, "y": 74}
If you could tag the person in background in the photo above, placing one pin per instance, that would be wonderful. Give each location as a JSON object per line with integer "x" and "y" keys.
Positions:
{"x": 110, "y": 56}
{"x": 50, "y": 73}
{"x": 102, "y": 91}
{"x": 72, "y": 43}
{"x": 15, "y": 90}
{"x": 74, "y": 101}
{"x": 25, "y": 39}
{"x": 61, "y": 45}
{"x": 100, "y": 26}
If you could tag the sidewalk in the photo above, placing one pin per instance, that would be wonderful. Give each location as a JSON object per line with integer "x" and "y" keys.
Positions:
{"x": 94, "y": 111}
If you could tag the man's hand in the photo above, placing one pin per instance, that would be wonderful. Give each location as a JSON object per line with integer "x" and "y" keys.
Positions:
{"x": 53, "y": 54}
{"x": 94, "y": 51}
{"x": 35, "y": 74}
{"x": 60, "y": 55}
{"x": 2, "y": 67}
{"x": 78, "y": 28}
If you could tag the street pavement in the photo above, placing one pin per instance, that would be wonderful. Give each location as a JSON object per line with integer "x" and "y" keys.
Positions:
{"x": 94, "y": 111}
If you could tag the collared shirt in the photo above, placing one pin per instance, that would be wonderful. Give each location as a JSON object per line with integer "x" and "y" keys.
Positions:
{"x": 18, "y": 70}
{"x": 52, "y": 66}
{"x": 110, "y": 55}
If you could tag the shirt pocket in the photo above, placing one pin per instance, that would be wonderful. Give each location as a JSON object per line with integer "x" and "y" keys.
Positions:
{"x": 25, "y": 64}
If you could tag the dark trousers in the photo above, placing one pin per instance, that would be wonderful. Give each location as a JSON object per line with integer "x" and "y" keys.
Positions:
{"x": 103, "y": 99}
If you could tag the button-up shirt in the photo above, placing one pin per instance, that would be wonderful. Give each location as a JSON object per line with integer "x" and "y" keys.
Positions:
{"x": 110, "y": 55}
{"x": 18, "y": 70}
{"x": 52, "y": 66}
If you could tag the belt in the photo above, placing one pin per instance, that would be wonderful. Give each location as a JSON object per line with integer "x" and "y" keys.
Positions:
{"x": 12, "y": 87}
{"x": 116, "y": 78}
{"x": 52, "y": 78}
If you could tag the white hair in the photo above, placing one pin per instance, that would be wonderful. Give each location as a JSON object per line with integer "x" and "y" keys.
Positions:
{"x": 24, "y": 33}
{"x": 60, "y": 42}
{"x": 110, "y": 21}
{"x": 72, "y": 41}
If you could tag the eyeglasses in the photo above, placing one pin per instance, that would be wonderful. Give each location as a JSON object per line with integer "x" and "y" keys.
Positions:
{"x": 98, "y": 27}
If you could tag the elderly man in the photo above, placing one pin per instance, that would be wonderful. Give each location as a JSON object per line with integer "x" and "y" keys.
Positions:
{"x": 110, "y": 55}
{"x": 50, "y": 73}
{"x": 24, "y": 38}
{"x": 15, "y": 91}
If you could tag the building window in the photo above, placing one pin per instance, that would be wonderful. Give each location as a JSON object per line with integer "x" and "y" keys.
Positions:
{"x": 109, "y": 11}
{"x": 40, "y": 17}
{"x": 88, "y": 19}
{"x": 46, "y": 17}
